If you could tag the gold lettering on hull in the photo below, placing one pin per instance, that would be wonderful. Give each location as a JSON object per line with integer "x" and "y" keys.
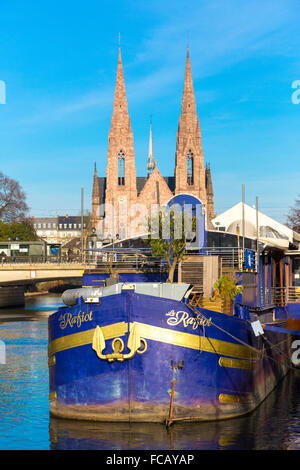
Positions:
{"x": 175, "y": 318}
{"x": 69, "y": 319}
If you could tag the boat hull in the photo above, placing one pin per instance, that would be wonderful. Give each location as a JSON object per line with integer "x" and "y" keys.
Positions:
{"x": 140, "y": 358}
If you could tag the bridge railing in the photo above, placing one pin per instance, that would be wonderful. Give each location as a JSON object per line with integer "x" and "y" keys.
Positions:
{"x": 32, "y": 260}
{"x": 232, "y": 258}
{"x": 124, "y": 259}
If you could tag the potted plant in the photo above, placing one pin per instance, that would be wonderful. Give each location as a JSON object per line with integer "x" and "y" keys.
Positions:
{"x": 227, "y": 289}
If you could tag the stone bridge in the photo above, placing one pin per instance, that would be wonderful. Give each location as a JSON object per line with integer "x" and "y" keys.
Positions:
{"x": 21, "y": 274}
{"x": 14, "y": 277}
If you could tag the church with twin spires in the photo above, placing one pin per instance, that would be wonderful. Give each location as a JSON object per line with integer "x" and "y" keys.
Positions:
{"x": 114, "y": 194}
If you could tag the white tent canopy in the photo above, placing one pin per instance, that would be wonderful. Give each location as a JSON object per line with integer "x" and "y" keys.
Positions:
{"x": 270, "y": 230}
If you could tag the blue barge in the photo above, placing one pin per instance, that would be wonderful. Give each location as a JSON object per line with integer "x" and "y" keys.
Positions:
{"x": 130, "y": 350}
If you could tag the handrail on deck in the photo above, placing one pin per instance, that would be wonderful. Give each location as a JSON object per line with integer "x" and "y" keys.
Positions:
{"x": 280, "y": 296}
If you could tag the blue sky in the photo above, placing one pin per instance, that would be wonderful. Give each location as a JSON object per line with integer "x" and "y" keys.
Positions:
{"x": 58, "y": 60}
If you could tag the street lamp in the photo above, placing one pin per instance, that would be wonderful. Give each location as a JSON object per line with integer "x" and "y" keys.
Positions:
{"x": 93, "y": 240}
{"x": 93, "y": 237}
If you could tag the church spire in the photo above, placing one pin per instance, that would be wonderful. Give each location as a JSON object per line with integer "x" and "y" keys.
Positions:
{"x": 188, "y": 105}
{"x": 120, "y": 109}
{"x": 188, "y": 121}
{"x": 121, "y": 172}
{"x": 95, "y": 183}
{"x": 151, "y": 162}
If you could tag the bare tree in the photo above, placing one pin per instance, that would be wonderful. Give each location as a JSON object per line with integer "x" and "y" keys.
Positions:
{"x": 293, "y": 217}
{"x": 13, "y": 207}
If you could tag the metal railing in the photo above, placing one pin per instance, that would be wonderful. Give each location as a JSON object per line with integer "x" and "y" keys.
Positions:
{"x": 232, "y": 258}
{"x": 36, "y": 259}
{"x": 280, "y": 296}
{"x": 125, "y": 260}
{"x": 284, "y": 295}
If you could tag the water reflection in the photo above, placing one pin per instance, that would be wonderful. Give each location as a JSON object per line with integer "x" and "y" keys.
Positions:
{"x": 274, "y": 425}
{"x": 24, "y": 407}
{"x": 36, "y": 306}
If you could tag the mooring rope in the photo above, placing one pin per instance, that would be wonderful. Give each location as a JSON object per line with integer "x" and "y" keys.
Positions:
{"x": 275, "y": 346}
{"x": 257, "y": 351}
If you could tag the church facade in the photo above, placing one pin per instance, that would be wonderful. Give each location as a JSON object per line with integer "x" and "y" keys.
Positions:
{"x": 121, "y": 200}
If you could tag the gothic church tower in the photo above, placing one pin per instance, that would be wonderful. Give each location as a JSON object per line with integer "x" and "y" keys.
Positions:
{"x": 120, "y": 173}
{"x": 189, "y": 169}
{"x": 121, "y": 189}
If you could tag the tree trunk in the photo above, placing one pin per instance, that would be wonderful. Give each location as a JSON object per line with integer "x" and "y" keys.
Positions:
{"x": 172, "y": 270}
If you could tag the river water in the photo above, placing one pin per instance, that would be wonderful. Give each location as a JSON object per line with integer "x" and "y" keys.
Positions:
{"x": 25, "y": 423}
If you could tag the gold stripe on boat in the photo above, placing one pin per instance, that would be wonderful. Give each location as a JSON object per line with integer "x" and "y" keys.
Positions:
{"x": 200, "y": 343}
{"x": 225, "y": 398}
{"x": 236, "y": 363}
{"x": 86, "y": 337}
{"x": 155, "y": 333}
{"x": 52, "y": 396}
{"x": 51, "y": 360}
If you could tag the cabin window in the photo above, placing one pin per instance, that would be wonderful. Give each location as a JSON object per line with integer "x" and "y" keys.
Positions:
{"x": 190, "y": 168}
{"x": 121, "y": 168}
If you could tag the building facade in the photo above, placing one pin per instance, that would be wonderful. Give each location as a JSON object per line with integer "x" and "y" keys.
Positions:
{"x": 58, "y": 230}
{"x": 121, "y": 200}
